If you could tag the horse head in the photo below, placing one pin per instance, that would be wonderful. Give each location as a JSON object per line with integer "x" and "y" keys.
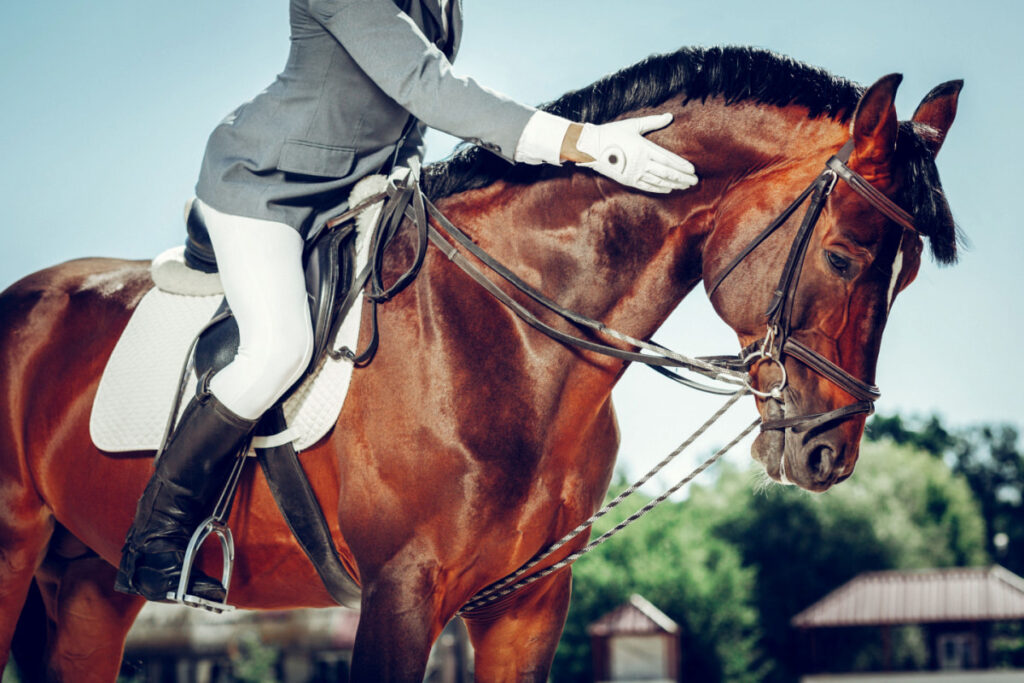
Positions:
{"x": 759, "y": 127}
{"x": 841, "y": 284}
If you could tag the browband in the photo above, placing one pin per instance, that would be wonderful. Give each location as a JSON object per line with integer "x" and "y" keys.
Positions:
{"x": 866, "y": 190}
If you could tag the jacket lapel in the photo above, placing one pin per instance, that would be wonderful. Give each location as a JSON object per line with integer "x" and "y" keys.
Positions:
{"x": 436, "y": 9}
{"x": 455, "y": 28}
{"x": 448, "y": 15}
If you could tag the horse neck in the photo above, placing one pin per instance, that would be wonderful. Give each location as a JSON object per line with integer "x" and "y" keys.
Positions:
{"x": 628, "y": 258}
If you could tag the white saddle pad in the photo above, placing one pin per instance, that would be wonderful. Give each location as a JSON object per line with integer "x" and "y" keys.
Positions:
{"x": 140, "y": 383}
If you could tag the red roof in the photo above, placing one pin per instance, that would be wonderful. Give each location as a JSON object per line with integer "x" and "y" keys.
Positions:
{"x": 636, "y": 617}
{"x": 917, "y": 597}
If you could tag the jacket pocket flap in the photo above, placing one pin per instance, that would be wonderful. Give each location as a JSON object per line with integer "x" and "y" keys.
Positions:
{"x": 311, "y": 158}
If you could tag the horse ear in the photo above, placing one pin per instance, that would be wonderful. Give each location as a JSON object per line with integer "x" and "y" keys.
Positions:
{"x": 937, "y": 111}
{"x": 874, "y": 123}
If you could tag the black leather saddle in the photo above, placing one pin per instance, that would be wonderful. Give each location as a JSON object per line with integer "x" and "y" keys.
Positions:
{"x": 329, "y": 263}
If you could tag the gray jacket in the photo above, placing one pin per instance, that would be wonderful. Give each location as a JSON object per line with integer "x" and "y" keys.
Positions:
{"x": 357, "y": 71}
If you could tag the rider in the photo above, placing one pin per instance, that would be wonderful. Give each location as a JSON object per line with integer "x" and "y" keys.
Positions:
{"x": 281, "y": 165}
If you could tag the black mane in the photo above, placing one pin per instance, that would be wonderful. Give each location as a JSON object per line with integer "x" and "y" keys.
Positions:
{"x": 736, "y": 74}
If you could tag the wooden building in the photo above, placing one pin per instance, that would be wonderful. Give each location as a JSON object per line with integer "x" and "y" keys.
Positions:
{"x": 635, "y": 642}
{"x": 955, "y": 608}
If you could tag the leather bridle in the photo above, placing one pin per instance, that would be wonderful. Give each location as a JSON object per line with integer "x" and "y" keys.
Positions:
{"x": 405, "y": 199}
{"x": 778, "y": 341}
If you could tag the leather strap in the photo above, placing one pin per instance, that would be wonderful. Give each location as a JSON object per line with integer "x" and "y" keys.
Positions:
{"x": 860, "y": 390}
{"x": 780, "y": 308}
{"x": 874, "y": 196}
{"x": 779, "y": 221}
{"x": 400, "y": 201}
{"x": 302, "y": 512}
{"x": 456, "y": 256}
{"x": 805, "y": 423}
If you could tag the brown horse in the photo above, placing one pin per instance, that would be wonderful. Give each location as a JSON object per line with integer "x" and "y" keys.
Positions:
{"x": 472, "y": 441}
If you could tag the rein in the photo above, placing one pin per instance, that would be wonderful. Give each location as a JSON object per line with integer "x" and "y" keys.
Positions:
{"x": 406, "y": 200}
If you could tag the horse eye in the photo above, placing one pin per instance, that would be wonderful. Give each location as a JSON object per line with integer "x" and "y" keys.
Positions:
{"x": 840, "y": 264}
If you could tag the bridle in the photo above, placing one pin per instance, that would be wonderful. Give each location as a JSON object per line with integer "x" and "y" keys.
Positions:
{"x": 405, "y": 199}
{"x": 778, "y": 341}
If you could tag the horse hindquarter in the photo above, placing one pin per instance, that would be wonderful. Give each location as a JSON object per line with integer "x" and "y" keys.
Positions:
{"x": 57, "y": 327}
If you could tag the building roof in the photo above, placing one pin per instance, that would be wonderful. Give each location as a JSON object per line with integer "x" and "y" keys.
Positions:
{"x": 636, "y": 617}
{"x": 917, "y": 597}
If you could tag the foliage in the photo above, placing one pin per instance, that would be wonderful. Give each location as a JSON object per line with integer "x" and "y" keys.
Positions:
{"x": 733, "y": 566}
{"x": 990, "y": 459}
{"x": 1008, "y": 645}
{"x": 671, "y": 559}
{"x": 253, "y": 660}
{"x": 901, "y": 509}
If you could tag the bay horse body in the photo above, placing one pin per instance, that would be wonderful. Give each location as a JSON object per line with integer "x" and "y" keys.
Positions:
{"x": 471, "y": 441}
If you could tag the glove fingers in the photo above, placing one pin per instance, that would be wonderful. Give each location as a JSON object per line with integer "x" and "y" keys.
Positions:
{"x": 646, "y": 186}
{"x": 660, "y": 156}
{"x": 677, "y": 180}
{"x": 645, "y": 124}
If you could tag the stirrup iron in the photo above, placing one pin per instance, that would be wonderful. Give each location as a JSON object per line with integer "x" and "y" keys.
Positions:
{"x": 215, "y": 524}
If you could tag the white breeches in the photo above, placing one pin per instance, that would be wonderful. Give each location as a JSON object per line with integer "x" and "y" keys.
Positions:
{"x": 260, "y": 265}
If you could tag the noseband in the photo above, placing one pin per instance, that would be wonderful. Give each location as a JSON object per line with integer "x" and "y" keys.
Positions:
{"x": 778, "y": 342}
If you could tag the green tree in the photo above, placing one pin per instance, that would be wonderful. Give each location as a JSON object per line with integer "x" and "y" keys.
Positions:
{"x": 252, "y": 660}
{"x": 670, "y": 558}
{"x": 901, "y": 509}
{"x": 990, "y": 459}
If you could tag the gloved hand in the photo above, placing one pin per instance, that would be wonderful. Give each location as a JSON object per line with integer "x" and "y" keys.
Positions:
{"x": 622, "y": 153}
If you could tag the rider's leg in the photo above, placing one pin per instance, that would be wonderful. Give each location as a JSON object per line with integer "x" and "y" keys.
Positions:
{"x": 261, "y": 270}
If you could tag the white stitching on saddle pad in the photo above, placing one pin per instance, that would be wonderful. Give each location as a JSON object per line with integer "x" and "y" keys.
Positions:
{"x": 138, "y": 386}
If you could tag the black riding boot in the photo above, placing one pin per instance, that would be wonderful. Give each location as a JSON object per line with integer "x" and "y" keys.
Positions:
{"x": 190, "y": 473}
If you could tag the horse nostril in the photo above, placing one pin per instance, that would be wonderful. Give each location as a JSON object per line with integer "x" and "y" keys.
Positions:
{"x": 820, "y": 463}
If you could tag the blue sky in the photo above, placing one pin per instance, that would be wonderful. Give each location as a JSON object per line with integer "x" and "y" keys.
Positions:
{"x": 107, "y": 106}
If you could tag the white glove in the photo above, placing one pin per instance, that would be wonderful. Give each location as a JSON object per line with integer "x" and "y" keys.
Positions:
{"x": 622, "y": 153}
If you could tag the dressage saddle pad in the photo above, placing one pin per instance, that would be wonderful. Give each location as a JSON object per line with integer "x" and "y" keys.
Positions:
{"x": 139, "y": 385}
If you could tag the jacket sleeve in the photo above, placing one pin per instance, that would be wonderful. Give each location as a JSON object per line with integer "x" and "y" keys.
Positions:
{"x": 394, "y": 53}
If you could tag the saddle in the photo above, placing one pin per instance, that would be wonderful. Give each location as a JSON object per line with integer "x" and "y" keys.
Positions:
{"x": 332, "y": 287}
{"x": 328, "y": 262}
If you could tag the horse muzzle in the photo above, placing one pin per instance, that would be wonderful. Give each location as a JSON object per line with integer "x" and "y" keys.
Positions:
{"x": 814, "y": 451}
